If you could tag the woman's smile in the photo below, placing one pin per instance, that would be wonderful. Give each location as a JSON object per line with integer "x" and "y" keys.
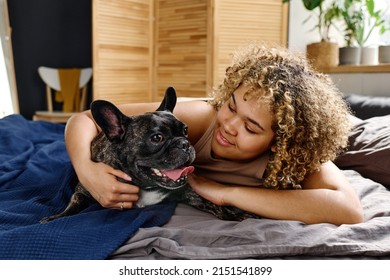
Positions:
{"x": 222, "y": 140}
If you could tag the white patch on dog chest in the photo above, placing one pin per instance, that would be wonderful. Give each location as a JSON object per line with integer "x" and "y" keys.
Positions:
{"x": 150, "y": 198}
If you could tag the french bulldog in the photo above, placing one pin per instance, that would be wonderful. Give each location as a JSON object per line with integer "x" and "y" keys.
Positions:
{"x": 154, "y": 150}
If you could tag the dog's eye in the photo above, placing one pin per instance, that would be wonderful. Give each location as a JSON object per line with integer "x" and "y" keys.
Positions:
{"x": 185, "y": 131}
{"x": 157, "y": 138}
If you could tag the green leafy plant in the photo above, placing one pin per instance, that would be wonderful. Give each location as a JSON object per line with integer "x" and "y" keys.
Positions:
{"x": 361, "y": 19}
{"x": 324, "y": 16}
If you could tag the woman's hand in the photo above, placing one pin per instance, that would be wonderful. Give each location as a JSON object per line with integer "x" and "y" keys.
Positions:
{"x": 102, "y": 182}
{"x": 208, "y": 189}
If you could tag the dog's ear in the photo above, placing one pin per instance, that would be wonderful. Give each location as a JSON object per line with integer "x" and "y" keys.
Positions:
{"x": 169, "y": 101}
{"x": 110, "y": 119}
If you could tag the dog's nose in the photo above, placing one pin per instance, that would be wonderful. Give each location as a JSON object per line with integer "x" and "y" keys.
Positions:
{"x": 183, "y": 144}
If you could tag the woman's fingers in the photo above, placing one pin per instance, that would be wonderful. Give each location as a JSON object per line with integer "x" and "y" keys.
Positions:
{"x": 105, "y": 187}
{"x": 120, "y": 193}
{"x": 125, "y": 205}
{"x": 120, "y": 174}
{"x": 118, "y": 188}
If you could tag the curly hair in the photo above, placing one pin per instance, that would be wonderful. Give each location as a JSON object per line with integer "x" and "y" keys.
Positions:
{"x": 311, "y": 119}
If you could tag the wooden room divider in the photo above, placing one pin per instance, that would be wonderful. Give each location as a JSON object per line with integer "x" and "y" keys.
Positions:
{"x": 142, "y": 46}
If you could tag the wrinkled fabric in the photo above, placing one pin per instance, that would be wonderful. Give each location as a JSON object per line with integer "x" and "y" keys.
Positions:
{"x": 191, "y": 234}
{"x": 37, "y": 180}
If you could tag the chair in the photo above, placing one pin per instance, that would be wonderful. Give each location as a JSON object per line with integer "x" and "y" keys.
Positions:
{"x": 69, "y": 88}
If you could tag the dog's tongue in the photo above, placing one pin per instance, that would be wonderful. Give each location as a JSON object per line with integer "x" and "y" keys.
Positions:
{"x": 177, "y": 173}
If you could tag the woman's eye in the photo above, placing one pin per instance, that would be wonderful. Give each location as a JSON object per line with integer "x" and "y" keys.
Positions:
{"x": 247, "y": 128}
{"x": 157, "y": 138}
{"x": 231, "y": 108}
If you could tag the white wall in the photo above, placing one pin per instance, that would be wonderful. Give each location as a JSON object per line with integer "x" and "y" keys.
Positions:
{"x": 375, "y": 84}
{"x": 5, "y": 92}
{"x": 301, "y": 34}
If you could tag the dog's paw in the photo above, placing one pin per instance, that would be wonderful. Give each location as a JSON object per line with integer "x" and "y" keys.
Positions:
{"x": 47, "y": 219}
{"x": 44, "y": 220}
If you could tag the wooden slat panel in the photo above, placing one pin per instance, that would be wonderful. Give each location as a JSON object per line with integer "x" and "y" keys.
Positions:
{"x": 238, "y": 22}
{"x": 122, "y": 55}
{"x": 181, "y": 46}
{"x": 142, "y": 46}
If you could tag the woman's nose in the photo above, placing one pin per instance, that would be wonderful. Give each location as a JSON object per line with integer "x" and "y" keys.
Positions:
{"x": 231, "y": 125}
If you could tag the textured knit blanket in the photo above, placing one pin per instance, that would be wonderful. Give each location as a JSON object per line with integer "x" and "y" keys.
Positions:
{"x": 37, "y": 180}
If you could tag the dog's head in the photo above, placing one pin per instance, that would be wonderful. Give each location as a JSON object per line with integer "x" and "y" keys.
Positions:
{"x": 152, "y": 148}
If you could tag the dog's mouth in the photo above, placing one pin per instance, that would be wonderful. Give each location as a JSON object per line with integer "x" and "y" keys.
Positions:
{"x": 172, "y": 179}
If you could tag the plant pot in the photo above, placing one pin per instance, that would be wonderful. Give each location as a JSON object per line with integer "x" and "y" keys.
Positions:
{"x": 384, "y": 54}
{"x": 323, "y": 55}
{"x": 349, "y": 55}
{"x": 369, "y": 56}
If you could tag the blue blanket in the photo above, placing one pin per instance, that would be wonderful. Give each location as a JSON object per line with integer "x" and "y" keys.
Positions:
{"x": 37, "y": 180}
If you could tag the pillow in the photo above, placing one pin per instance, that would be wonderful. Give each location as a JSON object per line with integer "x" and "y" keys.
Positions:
{"x": 365, "y": 107}
{"x": 369, "y": 150}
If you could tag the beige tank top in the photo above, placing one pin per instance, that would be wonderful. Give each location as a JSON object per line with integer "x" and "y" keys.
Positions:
{"x": 224, "y": 171}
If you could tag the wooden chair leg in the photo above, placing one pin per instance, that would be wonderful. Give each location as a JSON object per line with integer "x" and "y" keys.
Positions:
{"x": 83, "y": 102}
{"x": 49, "y": 99}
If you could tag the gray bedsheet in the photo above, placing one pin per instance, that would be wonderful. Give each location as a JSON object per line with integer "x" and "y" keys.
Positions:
{"x": 192, "y": 234}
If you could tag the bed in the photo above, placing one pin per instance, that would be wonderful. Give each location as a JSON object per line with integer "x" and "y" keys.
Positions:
{"x": 37, "y": 178}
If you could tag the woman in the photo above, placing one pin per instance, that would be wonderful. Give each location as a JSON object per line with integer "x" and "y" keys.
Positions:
{"x": 264, "y": 143}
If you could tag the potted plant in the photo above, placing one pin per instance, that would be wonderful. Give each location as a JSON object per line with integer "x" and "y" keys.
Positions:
{"x": 360, "y": 19}
{"x": 323, "y": 54}
{"x": 384, "y": 53}
{"x": 352, "y": 16}
{"x": 384, "y": 46}
{"x": 374, "y": 20}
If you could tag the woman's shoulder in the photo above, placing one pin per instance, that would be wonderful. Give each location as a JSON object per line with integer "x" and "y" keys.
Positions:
{"x": 197, "y": 115}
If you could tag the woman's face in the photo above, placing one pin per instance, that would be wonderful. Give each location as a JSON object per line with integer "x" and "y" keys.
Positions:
{"x": 243, "y": 129}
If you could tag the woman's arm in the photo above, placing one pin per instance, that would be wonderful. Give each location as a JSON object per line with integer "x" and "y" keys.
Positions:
{"x": 326, "y": 197}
